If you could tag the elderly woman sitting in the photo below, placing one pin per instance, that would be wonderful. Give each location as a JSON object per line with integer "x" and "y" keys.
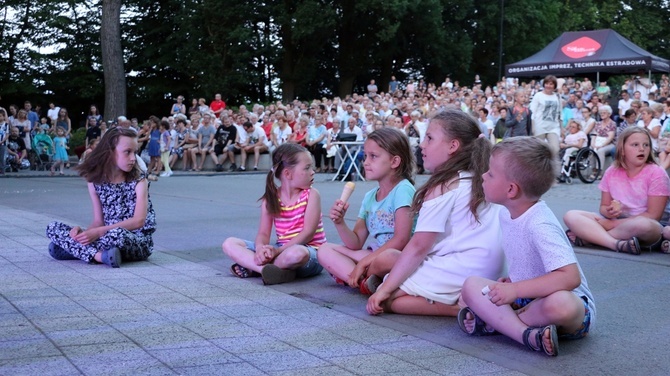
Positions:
{"x": 574, "y": 140}
{"x": 605, "y": 129}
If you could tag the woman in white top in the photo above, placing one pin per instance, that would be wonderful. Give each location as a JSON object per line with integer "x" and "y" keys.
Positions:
{"x": 546, "y": 110}
{"x": 650, "y": 123}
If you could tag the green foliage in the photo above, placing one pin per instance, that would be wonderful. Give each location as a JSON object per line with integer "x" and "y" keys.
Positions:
{"x": 77, "y": 139}
{"x": 260, "y": 51}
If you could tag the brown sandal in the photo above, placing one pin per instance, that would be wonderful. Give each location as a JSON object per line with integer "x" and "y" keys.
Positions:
{"x": 625, "y": 246}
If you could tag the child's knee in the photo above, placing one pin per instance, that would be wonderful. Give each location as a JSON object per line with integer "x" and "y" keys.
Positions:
{"x": 230, "y": 245}
{"x": 295, "y": 255}
{"x": 666, "y": 232}
{"x": 471, "y": 287}
{"x": 562, "y": 306}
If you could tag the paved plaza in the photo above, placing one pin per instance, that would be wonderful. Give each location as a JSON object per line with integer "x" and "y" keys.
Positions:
{"x": 183, "y": 313}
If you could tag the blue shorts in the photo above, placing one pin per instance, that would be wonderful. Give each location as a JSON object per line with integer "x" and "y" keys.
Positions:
{"x": 310, "y": 269}
{"x": 580, "y": 333}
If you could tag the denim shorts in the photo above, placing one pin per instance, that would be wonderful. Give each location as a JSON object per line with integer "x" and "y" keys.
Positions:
{"x": 311, "y": 268}
{"x": 581, "y": 332}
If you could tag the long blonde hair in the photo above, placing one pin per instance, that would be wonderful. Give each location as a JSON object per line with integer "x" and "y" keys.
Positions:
{"x": 472, "y": 156}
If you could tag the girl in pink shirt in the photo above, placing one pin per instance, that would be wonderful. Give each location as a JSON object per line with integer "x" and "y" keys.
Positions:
{"x": 294, "y": 209}
{"x": 634, "y": 193}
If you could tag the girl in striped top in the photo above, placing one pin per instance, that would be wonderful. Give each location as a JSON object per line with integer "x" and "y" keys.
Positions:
{"x": 294, "y": 209}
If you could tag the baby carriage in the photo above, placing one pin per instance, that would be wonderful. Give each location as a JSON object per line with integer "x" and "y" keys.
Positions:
{"x": 41, "y": 157}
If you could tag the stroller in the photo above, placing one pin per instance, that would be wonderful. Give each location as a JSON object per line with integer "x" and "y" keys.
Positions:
{"x": 41, "y": 157}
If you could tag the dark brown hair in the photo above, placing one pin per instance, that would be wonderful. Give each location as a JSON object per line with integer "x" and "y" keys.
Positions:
{"x": 396, "y": 143}
{"x": 99, "y": 166}
{"x": 285, "y": 156}
{"x": 472, "y": 156}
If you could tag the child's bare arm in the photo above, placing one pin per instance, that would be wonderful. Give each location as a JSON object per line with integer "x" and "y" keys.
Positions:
{"x": 402, "y": 231}
{"x": 565, "y": 278}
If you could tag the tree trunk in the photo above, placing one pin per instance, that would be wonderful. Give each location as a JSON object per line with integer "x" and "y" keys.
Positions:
{"x": 112, "y": 60}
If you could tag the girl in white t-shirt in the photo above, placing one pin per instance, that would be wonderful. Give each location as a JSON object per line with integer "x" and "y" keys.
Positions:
{"x": 457, "y": 233}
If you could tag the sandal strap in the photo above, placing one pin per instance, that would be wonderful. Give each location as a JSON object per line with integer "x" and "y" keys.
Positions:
{"x": 526, "y": 334}
{"x": 625, "y": 246}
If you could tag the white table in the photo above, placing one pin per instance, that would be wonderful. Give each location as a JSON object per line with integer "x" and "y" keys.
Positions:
{"x": 351, "y": 149}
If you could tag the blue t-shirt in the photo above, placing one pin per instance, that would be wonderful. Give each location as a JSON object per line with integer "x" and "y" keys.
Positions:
{"x": 315, "y": 131}
{"x": 379, "y": 216}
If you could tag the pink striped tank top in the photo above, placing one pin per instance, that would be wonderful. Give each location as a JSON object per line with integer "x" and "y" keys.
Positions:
{"x": 291, "y": 221}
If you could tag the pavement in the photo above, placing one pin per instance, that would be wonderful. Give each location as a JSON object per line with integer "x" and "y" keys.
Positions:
{"x": 183, "y": 313}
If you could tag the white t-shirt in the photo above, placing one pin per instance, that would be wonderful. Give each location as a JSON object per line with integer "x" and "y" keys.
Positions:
{"x": 535, "y": 245}
{"x": 282, "y": 135}
{"x": 652, "y": 124}
{"x": 53, "y": 113}
{"x": 463, "y": 247}
{"x": 624, "y": 106}
{"x": 546, "y": 111}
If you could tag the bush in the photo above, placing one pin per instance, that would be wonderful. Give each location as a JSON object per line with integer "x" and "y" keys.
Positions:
{"x": 77, "y": 139}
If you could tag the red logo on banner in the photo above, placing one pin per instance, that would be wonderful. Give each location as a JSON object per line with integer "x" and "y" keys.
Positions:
{"x": 581, "y": 47}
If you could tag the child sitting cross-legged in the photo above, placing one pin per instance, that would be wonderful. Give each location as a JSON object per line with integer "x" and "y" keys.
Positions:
{"x": 546, "y": 295}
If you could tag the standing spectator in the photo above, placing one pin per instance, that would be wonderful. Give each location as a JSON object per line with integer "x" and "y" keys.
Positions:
{"x": 63, "y": 121}
{"x": 202, "y": 106}
{"x": 93, "y": 112}
{"x": 372, "y": 89}
{"x": 178, "y": 107}
{"x": 624, "y": 103}
{"x": 519, "y": 117}
{"x": 640, "y": 84}
{"x": 52, "y": 113}
{"x": 393, "y": 85}
{"x": 217, "y": 106}
{"x": 93, "y": 132}
{"x": 24, "y": 126}
{"x": 194, "y": 109}
{"x": 13, "y": 111}
{"x": 546, "y": 113}
{"x": 485, "y": 124}
{"x": 33, "y": 116}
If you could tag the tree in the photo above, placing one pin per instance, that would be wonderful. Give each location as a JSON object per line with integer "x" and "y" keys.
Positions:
{"x": 112, "y": 59}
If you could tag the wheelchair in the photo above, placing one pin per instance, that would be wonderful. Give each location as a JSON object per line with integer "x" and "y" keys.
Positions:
{"x": 584, "y": 164}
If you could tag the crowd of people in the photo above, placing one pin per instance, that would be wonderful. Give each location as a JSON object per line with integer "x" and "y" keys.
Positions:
{"x": 550, "y": 109}
{"x": 476, "y": 241}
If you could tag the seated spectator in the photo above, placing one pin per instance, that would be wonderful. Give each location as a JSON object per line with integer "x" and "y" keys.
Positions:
{"x": 574, "y": 140}
{"x": 650, "y": 123}
{"x": 281, "y": 133}
{"x": 17, "y": 154}
{"x": 634, "y": 194}
{"x": 605, "y": 131}
{"x": 316, "y": 140}
{"x": 253, "y": 142}
{"x": 205, "y": 141}
{"x": 225, "y": 137}
{"x": 299, "y": 135}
